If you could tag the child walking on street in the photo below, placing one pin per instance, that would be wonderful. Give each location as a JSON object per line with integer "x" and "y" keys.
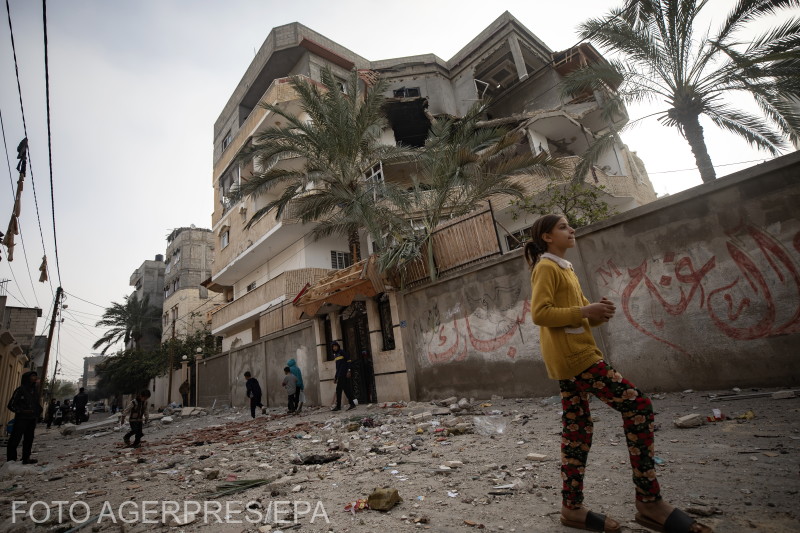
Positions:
{"x": 136, "y": 412}
{"x": 571, "y": 356}
{"x": 290, "y": 384}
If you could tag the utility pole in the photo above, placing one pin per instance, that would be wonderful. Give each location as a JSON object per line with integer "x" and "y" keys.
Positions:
{"x": 59, "y": 294}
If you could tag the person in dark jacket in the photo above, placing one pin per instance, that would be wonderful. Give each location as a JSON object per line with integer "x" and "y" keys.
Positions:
{"x": 24, "y": 404}
{"x": 342, "y": 376}
{"x": 52, "y": 407}
{"x": 79, "y": 402}
{"x": 253, "y": 392}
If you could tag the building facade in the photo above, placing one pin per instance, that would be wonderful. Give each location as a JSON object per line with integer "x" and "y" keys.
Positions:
{"x": 148, "y": 282}
{"x": 187, "y": 303}
{"x": 263, "y": 268}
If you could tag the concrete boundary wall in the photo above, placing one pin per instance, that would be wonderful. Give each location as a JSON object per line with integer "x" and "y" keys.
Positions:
{"x": 706, "y": 282}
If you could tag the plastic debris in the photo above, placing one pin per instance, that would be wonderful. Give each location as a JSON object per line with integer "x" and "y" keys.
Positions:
{"x": 358, "y": 505}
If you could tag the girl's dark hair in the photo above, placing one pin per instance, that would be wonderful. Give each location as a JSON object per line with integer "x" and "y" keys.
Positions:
{"x": 535, "y": 247}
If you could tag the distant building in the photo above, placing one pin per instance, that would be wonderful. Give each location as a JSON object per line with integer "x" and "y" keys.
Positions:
{"x": 17, "y": 334}
{"x": 187, "y": 304}
{"x": 90, "y": 377}
{"x": 148, "y": 281}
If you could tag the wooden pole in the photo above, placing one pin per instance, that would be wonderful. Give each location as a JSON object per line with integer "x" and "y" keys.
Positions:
{"x": 43, "y": 380}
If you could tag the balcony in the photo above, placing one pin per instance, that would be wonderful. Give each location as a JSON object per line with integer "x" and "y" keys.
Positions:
{"x": 248, "y": 307}
{"x": 279, "y": 91}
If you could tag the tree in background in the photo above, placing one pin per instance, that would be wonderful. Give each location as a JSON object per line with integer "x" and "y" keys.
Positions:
{"x": 462, "y": 164}
{"x": 132, "y": 370}
{"x": 129, "y": 322}
{"x": 579, "y": 203}
{"x": 60, "y": 389}
{"x": 337, "y": 143}
{"x": 661, "y": 58}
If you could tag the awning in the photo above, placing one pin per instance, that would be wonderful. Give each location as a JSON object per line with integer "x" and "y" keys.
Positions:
{"x": 341, "y": 287}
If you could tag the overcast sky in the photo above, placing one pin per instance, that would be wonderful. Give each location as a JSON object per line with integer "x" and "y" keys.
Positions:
{"x": 135, "y": 88}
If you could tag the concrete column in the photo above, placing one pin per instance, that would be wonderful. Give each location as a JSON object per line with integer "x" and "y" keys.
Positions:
{"x": 516, "y": 53}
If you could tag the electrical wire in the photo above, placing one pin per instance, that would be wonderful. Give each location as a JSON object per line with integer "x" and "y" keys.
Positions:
{"x": 25, "y": 130}
{"x": 49, "y": 136}
{"x": 86, "y": 301}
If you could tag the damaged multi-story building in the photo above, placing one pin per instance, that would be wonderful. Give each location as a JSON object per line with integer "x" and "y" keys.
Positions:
{"x": 282, "y": 301}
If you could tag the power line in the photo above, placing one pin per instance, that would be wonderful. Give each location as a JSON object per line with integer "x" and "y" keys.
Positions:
{"x": 695, "y": 168}
{"x": 25, "y": 130}
{"x": 49, "y": 135}
{"x": 87, "y": 301}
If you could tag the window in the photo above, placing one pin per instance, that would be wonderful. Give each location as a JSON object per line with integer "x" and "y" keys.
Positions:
{"x": 326, "y": 327}
{"x": 228, "y": 182}
{"x": 373, "y": 178}
{"x": 226, "y": 141}
{"x": 385, "y": 315}
{"x": 342, "y": 85}
{"x": 223, "y": 239}
{"x": 406, "y": 92}
{"x": 340, "y": 260}
{"x": 251, "y": 286}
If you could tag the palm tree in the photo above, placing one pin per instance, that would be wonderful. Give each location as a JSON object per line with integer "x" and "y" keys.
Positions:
{"x": 338, "y": 142}
{"x": 663, "y": 59}
{"x": 129, "y": 322}
{"x": 462, "y": 164}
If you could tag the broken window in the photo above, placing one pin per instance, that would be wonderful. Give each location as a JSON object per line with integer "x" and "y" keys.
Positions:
{"x": 406, "y": 92}
{"x": 227, "y": 183}
{"x": 373, "y": 178}
{"x": 408, "y": 119}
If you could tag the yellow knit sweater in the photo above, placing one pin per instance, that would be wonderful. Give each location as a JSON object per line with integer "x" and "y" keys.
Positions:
{"x": 568, "y": 347}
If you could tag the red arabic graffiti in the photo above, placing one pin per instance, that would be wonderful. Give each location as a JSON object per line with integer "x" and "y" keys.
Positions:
{"x": 444, "y": 343}
{"x": 743, "y": 308}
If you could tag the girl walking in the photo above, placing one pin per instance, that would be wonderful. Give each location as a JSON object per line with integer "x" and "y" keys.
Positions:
{"x": 571, "y": 356}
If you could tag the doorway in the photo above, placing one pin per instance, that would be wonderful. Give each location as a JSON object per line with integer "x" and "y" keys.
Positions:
{"x": 355, "y": 336}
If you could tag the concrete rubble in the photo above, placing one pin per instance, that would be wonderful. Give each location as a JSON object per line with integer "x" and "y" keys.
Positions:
{"x": 491, "y": 464}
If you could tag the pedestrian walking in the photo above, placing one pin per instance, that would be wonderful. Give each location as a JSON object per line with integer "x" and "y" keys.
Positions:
{"x": 52, "y": 407}
{"x": 79, "y": 402}
{"x": 66, "y": 411}
{"x": 184, "y": 390}
{"x": 24, "y": 403}
{"x": 290, "y": 384}
{"x": 342, "y": 377}
{"x": 254, "y": 393}
{"x": 301, "y": 396}
{"x": 137, "y": 415}
{"x": 571, "y": 356}
{"x": 59, "y": 415}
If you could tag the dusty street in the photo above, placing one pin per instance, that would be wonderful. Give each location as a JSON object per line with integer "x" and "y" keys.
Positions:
{"x": 491, "y": 466}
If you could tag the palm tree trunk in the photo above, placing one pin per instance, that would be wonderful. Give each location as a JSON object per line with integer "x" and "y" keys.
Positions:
{"x": 431, "y": 260}
{"x": 693, "y": 132}
{"x": 355, "y": 246}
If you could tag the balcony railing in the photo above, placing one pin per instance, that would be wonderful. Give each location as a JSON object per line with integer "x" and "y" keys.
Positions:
{"x": 286, "y": 284}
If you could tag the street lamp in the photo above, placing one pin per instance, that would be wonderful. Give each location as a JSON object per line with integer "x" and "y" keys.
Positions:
{"x": 197, "y": 357}
{"x": 185, "y": 372}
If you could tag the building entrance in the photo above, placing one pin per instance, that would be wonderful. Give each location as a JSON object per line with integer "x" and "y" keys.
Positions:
{"x": 355, "y": 336}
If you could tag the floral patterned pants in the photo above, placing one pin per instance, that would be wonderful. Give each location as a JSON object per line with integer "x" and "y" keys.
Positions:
{"x": 576, "y": 437}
